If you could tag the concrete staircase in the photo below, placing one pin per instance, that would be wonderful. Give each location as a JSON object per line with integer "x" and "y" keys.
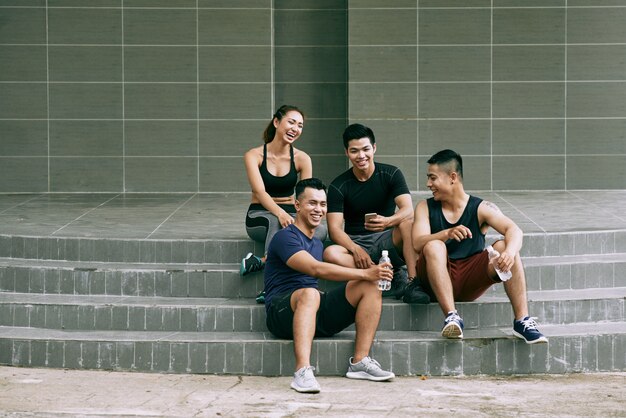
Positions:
{"x": 179, "y": 306}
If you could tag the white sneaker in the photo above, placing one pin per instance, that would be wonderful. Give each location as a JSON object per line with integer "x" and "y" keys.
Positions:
{"x": 368, "y": 369}
{"x": 304, "y": 381}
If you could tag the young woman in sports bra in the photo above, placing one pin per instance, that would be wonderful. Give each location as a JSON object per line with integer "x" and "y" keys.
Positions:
{"x": 273, "y": 170}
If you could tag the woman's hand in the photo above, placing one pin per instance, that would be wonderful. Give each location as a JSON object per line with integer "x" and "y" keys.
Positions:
{"x": 285, "y": 219}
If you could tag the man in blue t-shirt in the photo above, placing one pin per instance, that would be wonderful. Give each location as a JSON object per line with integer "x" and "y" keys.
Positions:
{"x": 364, "y": 198}
{"x": 297, "y": 310}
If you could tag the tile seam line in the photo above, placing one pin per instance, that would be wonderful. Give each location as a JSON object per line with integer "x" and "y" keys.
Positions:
{"x": 521, "y": 212}
{"x": 172, "y": 214}
{"x": 84, "y": 214}
{"x": 37, "y": 196}
{"x": 600, "y": 208}
{"x": 49, "y": 181}
{"x": 318, "y": 9}
{"x": 480, "y": 118}
{"x": 564, "y": 81}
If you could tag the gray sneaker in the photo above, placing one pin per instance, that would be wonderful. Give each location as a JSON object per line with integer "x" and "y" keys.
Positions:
{"x": 304, "y": 381}
{"x": 368, "y": 369}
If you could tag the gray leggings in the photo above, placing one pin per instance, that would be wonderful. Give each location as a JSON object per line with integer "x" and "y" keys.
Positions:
{"x": 261, "y": 225}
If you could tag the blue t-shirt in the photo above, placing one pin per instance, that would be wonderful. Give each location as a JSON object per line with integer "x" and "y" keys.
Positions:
{"x": 279, "y": 278}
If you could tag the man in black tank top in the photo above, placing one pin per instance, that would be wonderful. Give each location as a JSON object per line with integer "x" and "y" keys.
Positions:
{"x": 449, "y": 236}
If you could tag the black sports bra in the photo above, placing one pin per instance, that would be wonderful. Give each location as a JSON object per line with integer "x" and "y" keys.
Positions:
{"x": 279, "y": 186}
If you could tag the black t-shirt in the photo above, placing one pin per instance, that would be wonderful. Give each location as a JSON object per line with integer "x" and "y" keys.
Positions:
{"x": 356, "y": 198}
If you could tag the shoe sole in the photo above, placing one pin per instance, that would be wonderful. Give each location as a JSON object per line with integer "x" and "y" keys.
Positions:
{"x": 305, "y": 390}
{"x": 367, "y": 376}
{"x": 452, "y": 331}
{"x": 242, "y": 266}
{"x": 537, "y": 341}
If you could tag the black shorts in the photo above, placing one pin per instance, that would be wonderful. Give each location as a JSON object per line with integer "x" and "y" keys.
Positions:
{"x": 334, "y": 314}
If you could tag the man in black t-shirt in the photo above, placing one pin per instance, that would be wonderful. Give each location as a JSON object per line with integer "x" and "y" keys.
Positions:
{"x": 365, "y": 197}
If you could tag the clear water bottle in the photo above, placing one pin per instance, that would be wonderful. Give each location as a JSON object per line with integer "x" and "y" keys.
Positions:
{"x": 493, "y": 254}
{"x": 384, "y": 284}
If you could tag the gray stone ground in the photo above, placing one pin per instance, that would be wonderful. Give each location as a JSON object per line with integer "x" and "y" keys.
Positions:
{"x": 56, "y": 393}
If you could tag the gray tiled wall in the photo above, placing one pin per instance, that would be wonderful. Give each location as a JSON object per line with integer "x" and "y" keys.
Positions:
{"x": 532, "y": 93}
{"x": 163, "y": 96}
{"x": 166, "y": 96}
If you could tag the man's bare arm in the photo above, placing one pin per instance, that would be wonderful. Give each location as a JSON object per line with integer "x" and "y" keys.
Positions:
{"x": 421, "y": 229}
{"x": 490, "y": 214}
{"x": 305, "y": 263}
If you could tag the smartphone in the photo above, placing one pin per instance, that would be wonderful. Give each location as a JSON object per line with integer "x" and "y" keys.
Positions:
{"x": 369, "y": 216}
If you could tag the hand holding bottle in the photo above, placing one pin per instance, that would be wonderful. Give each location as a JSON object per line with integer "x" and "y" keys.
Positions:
{"x": 493, "y": 258}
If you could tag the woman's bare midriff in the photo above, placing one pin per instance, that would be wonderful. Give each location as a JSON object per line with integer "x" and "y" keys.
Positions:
{"x": 279, "y": 200}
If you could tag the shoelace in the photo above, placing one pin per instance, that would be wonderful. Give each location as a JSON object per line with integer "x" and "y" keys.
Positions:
{"x": 452, "y": 317}
{"x": 303, "y": 373}
{"x": 255, "y": 264}
{"x": 370, "y": 363}
{"x": 529, "y": 323}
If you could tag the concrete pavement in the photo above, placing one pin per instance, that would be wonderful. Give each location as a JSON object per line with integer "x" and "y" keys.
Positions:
{"x": 61, "y": 393}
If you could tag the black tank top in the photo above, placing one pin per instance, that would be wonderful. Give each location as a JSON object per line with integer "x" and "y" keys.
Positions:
{"x": 469, "y": 218}
{"x": 279, "y": 186}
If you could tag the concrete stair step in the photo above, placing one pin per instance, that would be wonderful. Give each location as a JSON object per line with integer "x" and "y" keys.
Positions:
{"x": 128, "y": 279}
{"x": 231, "y": 250}
{"x": 573, "y": 272}
{"x": 223, "y": 280}
{"x": 80, "y": 312}
{"x": 121, "y": 250}
{"x": 580, "y": 347}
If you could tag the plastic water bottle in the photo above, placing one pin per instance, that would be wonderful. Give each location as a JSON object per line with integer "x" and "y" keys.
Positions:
{"x": 493, "y": 254}
{"x": 384, "y": 284}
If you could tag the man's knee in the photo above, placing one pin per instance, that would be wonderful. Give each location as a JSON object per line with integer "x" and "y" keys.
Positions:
{"x": 433, "y": 249}
{"x": 357, "y": 289}
{"x": 334, "y": 253}
{"x": 307, "y": 297}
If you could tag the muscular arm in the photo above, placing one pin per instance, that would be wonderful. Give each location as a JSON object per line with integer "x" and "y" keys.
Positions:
{"x": 490, "y": 215}
{"x": 305, "y": 263}
{"x": 334, "y": 221}
{"x": 421, "y": 228}
{"x": 251, "y": 160}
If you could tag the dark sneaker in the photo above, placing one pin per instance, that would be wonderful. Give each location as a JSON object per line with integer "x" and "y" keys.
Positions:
{"x": 368, "y": 369}
{"x": 304, "y": 381}
{"x": 415, "y": 294}
{"x": 398, "y": 284}
{"x": 452, "y": 326}
{"x": 260, "y": 298}
{"x": 250, "y": 263}
{"x": 526, "y": 329}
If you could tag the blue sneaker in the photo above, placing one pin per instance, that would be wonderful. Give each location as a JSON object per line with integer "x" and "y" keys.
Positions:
{"x": 250, "y": 263}
{"x": 452, "y": 326}
{"x": 526, "y": 329}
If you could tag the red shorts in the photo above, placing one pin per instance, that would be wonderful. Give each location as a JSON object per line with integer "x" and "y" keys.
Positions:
{"x": 470, "y": 277}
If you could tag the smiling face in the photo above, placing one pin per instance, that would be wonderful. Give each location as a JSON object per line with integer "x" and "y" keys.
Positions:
{"x": 440, "y": 180}
{"x": 289, "y": 127}
{"x": 361, "y": 152}
{"x": 311, "y": 207}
